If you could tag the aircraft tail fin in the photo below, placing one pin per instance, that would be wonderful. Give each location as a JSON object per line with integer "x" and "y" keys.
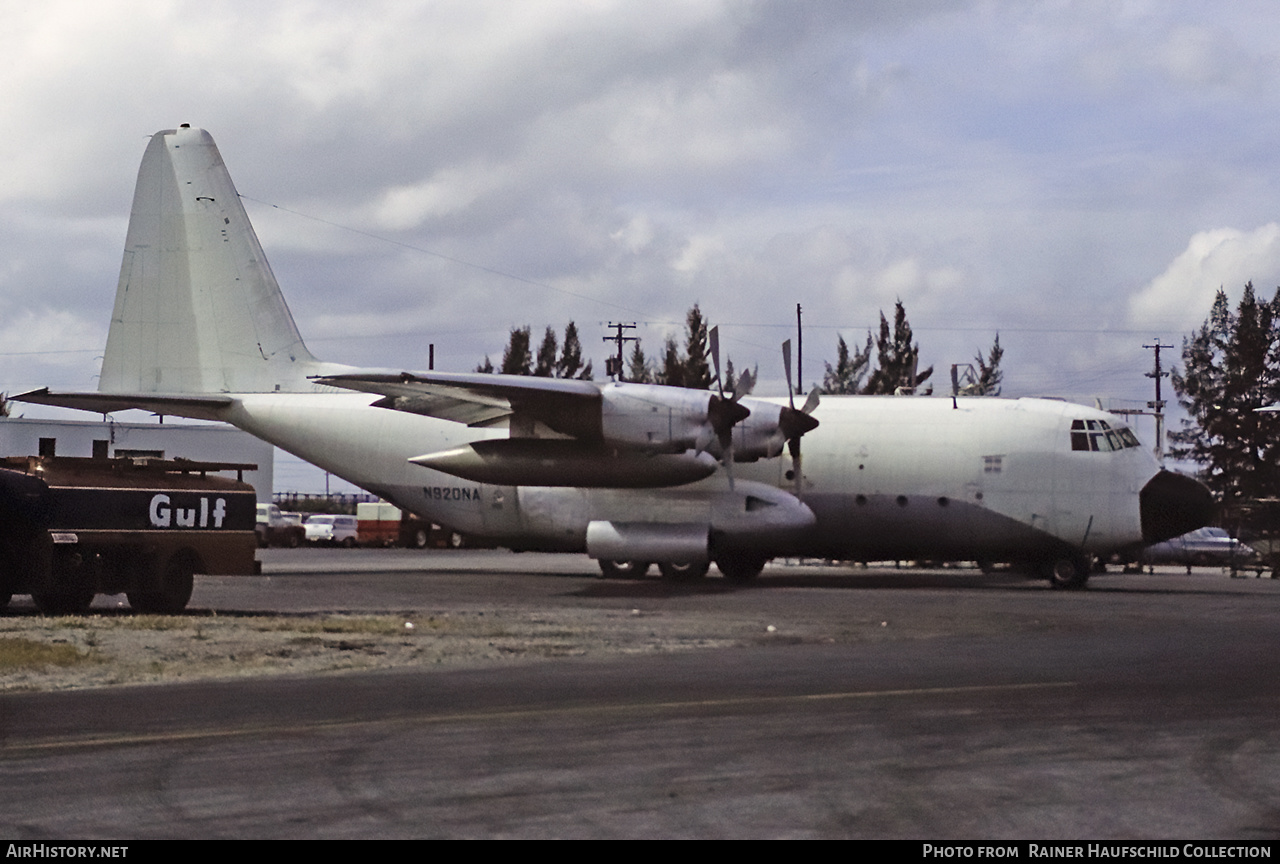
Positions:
{"x": 198, "y": 309}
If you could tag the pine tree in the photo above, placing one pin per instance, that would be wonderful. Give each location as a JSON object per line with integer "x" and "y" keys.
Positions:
{"x": 846, "y": 377}
{"x": 545, "y": 367}
{"x": 897, "y": 357}
{"x": 673, "y": 365}
{"x": 1231, "y": 367}
{"x": 989, "y": 374}
{"x": 638, "y": 369}
{"x": 697, "y": 371}
{"x": 516, "y": 359}
{"x": 570, "y": 363}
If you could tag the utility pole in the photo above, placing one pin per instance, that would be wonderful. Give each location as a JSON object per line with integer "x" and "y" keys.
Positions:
{"x": 1158, "y": 405}
{"x": 613, "y": 366}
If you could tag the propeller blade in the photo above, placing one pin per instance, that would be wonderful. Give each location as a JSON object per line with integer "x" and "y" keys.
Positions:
{"x": 786, "y": 365}
{"x": 746, "y": 383}
{"x": 723, "y": 415}
{"x": 715, "y": 357}
{"x": 811, "y": 403}
{"x": 795, "y": 423}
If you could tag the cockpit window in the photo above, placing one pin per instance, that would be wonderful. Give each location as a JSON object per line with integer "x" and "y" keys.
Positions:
{"x": 1097, "y": 436}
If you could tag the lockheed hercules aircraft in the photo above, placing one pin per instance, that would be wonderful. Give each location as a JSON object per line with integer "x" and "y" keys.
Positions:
{"x": 630, "y": 474}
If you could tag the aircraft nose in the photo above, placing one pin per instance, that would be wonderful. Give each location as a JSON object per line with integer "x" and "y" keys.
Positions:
{"x": 1173, "y": 504}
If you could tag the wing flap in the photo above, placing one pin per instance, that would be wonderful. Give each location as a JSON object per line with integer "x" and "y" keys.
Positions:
{"x": 569, "y": 407}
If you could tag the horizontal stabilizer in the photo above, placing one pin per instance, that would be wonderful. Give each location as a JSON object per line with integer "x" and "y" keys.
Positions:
{"x": 192, "y": 405}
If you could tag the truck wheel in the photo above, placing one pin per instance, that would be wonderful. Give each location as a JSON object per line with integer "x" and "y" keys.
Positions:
{"x": 176, "y": 585}
{"x": 67, "y": 600}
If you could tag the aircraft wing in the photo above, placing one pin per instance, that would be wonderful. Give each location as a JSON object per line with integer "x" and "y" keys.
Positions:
{"x": 567, "y": 406}
{"x": 202, "y": 407}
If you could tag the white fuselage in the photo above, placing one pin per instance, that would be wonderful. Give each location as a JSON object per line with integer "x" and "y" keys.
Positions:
{"x": 885, "y": 476}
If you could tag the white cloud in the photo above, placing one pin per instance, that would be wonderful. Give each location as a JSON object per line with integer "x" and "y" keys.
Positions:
{"x": 1180, "y": 297}
{"x": 638, "y": 157}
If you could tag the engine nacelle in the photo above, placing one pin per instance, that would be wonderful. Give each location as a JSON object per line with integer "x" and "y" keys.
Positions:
{"x": 661, "y": 419}
{"x": 657, "y": 418}
{"x": 760, "y": 436}
{"x": 566, "y": 462}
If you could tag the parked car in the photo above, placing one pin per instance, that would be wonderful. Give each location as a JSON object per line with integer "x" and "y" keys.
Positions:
{"x": 1204, "y": 547}
{"x": 331, "y": 530}
{"x": 274, "y": 529}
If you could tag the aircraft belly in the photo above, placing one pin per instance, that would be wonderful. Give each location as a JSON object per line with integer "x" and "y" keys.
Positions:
{"x": 888, "y": 527}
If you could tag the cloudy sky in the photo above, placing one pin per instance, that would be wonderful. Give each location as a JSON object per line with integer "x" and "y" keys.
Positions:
{"x": 1080, "y": 177}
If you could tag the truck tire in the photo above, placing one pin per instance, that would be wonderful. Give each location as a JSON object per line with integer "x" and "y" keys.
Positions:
{"x": 174, "y": 592}
{"x": 65, "y": 600}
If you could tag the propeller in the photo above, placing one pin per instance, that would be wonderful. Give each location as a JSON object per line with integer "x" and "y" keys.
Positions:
{"x": 723, "y": 414}
{"x": 795, "y": 423}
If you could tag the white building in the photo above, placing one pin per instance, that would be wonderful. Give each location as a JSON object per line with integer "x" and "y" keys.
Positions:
{"x": 20, "y": 436}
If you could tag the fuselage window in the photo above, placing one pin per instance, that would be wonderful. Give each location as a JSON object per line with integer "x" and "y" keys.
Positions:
{"x": 1097, "y": 436}
{"x": 1079, "y": 440}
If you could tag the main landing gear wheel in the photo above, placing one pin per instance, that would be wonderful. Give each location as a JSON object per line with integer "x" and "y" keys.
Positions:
{"x": 740, "y": 568}
{"x": 1068, "y": 574}
{"x": 684, "y": 571}
{"x": 623, "y": 569}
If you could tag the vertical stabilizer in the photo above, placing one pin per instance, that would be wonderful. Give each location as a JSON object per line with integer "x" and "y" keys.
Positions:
{"x": 197, "y": 309}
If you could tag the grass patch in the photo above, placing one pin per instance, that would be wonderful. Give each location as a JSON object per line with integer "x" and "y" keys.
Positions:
{"x": 157, "y": 622}
{"x": 20, "y": 653}
{"x": 380, "y": 625}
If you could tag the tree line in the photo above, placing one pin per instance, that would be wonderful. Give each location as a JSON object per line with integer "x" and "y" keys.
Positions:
{"x": 896, "y": 368}
{"x": 553, "y": 360}
{"x": 1231, "y": 368}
